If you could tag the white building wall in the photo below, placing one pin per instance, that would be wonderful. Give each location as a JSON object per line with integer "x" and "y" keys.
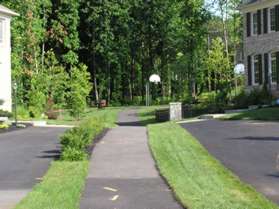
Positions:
{"x": 5, "y": 66}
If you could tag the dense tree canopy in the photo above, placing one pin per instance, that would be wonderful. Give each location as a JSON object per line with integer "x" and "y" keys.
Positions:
{"x": 122, "y": 43}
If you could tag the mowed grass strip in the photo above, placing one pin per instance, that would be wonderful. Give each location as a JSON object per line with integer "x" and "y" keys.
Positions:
{"x": 60, "y": 189}
{"x": 199, "y": 180}
{"x": 109, "y": 114}
{"x": 267, "y": 114}
{"x": 147, "y": 114}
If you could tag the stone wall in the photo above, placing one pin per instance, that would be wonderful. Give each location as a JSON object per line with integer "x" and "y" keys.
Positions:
{"x": 175, "y": 111}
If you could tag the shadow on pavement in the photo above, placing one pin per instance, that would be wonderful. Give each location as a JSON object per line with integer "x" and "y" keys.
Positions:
{"x": 132, "y": 123}
{"x": 255, "y": 138}
{"x": 137, "y": 123}
{"x": 275, "y": 175}
{"x": 52, "y": 154}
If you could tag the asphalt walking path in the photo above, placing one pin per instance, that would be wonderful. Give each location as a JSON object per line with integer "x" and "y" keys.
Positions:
{"x": 122, "y": 173}
{"x": 249, "y": 148}
{"x": 25, "y": 156}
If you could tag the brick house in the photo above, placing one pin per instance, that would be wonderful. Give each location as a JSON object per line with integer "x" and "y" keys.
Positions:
{"x": 261, "y": 43}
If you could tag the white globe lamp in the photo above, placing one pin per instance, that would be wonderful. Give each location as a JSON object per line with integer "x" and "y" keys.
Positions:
{"x": 155, "y": 79}
{"x": 239, "y": 69}
{"x": 152, "y": 79}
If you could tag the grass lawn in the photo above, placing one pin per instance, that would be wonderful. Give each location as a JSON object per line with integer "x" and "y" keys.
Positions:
{"x": 198, "y": 180}
{"x": 268, "y": 114}
{"x": 60, "y": 189}
{"x": 109, "y": 114}
{"x": 147, "y": 114}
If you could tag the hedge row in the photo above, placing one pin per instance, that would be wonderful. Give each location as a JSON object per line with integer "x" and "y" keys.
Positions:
{"x": 75, "y": 141}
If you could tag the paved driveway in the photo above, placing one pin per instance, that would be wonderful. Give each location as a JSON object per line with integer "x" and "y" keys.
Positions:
{"x": 122, "y": 161}
{"x": 24, "y": 158}
{"x": 249, "y": 149}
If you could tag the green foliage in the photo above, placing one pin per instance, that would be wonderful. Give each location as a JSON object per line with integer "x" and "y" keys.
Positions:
{"x": 22, "y": 112}
{"x": 27, "y": 37}
{"x": 76, "y": 140}
{"x": 197, "y": 178}
{"x": 63, "y": 35}
{"x": 57, "y": 81}
{"x": 124, "y": 42}
{"x": 220, "y": 71}
{"x": 37, "y": 96}
{"x": 265, "y": 114}
{"x": 4, "y": 113}
{"x": 4, "y": 126}
{"x": 121, "y": 42}
{"x": 255, "y": 97}
{"x": 79, "y": 88}
{"x": 60, "y": 188}
{"x": 72, "y": 154}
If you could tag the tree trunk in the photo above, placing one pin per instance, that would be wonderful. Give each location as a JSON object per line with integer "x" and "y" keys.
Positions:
{"x": 132, "y": 76}
{"x": 224, "y": 15}
{"x": 95, "y": 79}
{"x": 108, "y": 83}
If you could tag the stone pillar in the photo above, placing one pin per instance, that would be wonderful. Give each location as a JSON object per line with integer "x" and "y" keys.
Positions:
{"x": 175, "y": 111}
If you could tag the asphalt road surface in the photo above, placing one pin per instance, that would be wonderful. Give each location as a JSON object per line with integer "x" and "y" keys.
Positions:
{"x": 25, "y": 156}
{"x": 122, "y": 172}
{"x": 249, "y": 148}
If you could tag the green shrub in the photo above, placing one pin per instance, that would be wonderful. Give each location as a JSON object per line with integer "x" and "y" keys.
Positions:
{"x": 22, "y": 112}
{"x": 4, "y": 113}
{"x": 255, "y": 97}
{"x": 161, "y": 101}
{"x": 76, "y": 140}
{"x": 4, "y": 126}
{"x": 37, "y": 95}
{"x": 72, "y": 154}
{"x": 210, "y": 102}
{"x": 137, "y": 100}
{"x": 79, "y": 89}
{"x": 93, "y": 126}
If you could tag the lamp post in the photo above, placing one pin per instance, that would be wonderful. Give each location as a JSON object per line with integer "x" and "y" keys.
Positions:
{"x": 15, "y": 101}
{"x": 152, "y": 79}
{"x": 239, "y": 69}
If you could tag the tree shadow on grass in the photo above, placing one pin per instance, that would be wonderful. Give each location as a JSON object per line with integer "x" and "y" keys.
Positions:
{"x": 151, "y": 113}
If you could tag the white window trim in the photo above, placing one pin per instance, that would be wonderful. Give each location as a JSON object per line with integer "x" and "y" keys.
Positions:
{"x": 269, "y": 20}
{"x": 270, "y": 68}
{"x": 252, "y": 23}
{"x": 253, "y": 70}
{"x": 3, "y": 31}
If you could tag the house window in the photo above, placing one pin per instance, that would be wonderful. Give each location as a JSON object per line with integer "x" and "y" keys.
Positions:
{"x": 272, "y": 21}
{"x": 273, "y": 67}
{"x": 1, "y": 31}
{"x": 256, "y": 65}
{"x": 255, "y": 23}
